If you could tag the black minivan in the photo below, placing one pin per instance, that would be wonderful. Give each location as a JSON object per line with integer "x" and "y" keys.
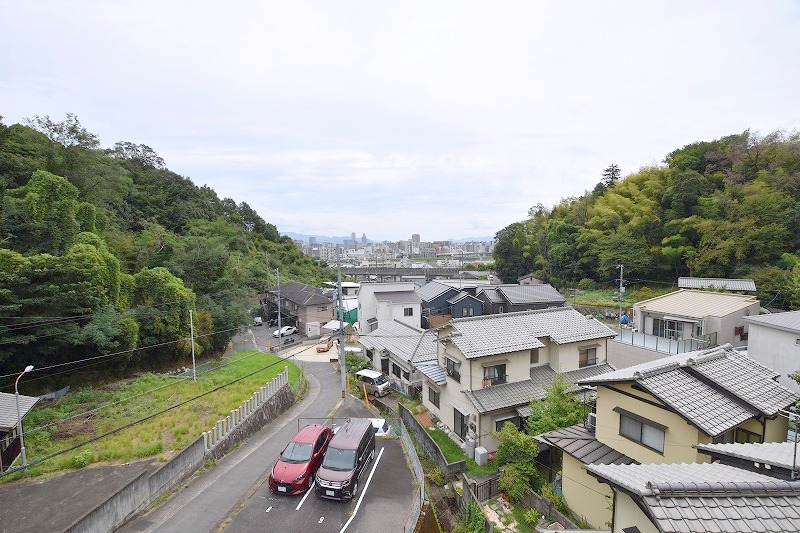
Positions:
{"x": 348, "y": 454}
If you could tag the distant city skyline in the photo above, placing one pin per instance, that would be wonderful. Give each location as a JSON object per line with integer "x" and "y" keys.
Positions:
{"x": 341, "y": 239}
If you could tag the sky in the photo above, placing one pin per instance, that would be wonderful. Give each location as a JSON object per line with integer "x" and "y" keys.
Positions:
{"x": 447, "y": 119}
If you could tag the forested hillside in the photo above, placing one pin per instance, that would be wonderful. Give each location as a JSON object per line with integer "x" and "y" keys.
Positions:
{"x": 724, "y": 208}
{"x": 105, "y": 251}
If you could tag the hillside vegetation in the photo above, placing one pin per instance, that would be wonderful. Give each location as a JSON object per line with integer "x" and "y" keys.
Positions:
{"x": 103, "y": 252}
{"x": 723, "y": 208}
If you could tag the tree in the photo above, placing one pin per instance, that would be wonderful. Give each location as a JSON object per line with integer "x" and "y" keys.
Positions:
{"x": 516, "y": 455}
{"x": 559, "y": 409}
{"x": 610, "y": 175}
{"x": 512, "y": 252}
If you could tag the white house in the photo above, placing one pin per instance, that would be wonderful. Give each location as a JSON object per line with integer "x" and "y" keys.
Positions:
{"x": 381, "y": 303}
{"x": 775, "y": 342}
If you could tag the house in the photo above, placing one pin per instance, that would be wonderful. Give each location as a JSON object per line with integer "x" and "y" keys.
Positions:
{"x": 660, "y": 411}
{"x": 731, "y": 285}
{"x": 511, "y": 298}
{"x": 667, "y": 498}
{"x": 349, "y": 289}
{"x": 775, "y": 459}
{"x": 9, "y": 437}
{"x": 491, "y": 367}
{"x": 380, "y": 303}
{"x": 528, "y": 279}
{"x": 688, "y": 313}
{"x": 441, "y": 302}
{"x": 301, "y": 305}
{"x": 774, "y": 341}
{"x": 397, "y": 350}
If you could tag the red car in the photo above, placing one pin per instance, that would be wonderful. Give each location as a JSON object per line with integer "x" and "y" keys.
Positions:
{"x": 294, "y": 470}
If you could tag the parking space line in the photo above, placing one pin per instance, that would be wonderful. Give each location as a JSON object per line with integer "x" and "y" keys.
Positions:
{"x": 310, "y": 489}
{"x": 363, "y": 491}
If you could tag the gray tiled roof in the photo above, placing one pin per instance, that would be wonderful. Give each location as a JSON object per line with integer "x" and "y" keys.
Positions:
{"x": 788, "y": 321}
{"x": 779, "y": 454}
{"x": 581, "y": 443}
{"x": 432, "y": 290}
{"x": 717, "y": 283}
{"x": 511, "y": 332}
{"x": 302, "y": 294}
{"x": 398, "y": 297}
{"x": 8, "y": 409}
{"x": 707, "y": 497}
{"x": 405, "y": 342}
{"x": 714, "y": 389}
{"x": 522, "y": 294}
{"x": 521, "y": 393}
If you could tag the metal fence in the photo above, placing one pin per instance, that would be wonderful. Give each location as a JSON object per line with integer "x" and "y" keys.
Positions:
{"x": 416, "y": 507}
{"x": 662, "y": 344}
{"x": 488, "y": 489}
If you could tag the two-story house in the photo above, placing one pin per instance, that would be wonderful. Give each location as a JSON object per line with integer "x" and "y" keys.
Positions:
{"x": 512, "y": 298}
{"x": 687, "y": 313}
{"x": 774, "y": 341}
{"x": 657, "y": 412}
{"x": 381, "y": 303}
{"x": 300, "y": 305}
{"x": 495, "y": 365}
{"x": 397, "y": 350}
{"x": 441, "y": 302}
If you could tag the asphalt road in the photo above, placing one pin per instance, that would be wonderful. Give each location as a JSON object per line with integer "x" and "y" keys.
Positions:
{"x": 233, "y": 496}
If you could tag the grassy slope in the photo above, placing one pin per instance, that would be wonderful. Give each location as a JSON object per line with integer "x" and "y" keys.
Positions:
{"x": 160, "y": 436}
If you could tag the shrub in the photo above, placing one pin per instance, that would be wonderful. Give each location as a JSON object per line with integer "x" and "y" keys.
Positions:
{"x": 354, "y": 363}
{"x": 148, "y": 449}
{"x": 514, "y": 481}
{"x": 436, "y": 476}
{"x": 556, "y": 499}
{"x": 532, "y": 516}
{"x": 643, "y": 293}
{"x": 587, "y": 284}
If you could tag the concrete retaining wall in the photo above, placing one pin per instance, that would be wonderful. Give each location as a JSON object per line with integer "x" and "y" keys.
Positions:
{"x": 429, "y": 446}
{"x": 126, "y": 503}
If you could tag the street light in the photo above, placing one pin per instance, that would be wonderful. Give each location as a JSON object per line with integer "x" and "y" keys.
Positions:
{"x": 19, "y": 418}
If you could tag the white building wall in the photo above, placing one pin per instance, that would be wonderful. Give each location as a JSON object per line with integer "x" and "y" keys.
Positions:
{"x": 776, "y": 349}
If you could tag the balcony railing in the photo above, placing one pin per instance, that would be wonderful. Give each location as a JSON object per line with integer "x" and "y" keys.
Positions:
{"x": 497, "y": 380}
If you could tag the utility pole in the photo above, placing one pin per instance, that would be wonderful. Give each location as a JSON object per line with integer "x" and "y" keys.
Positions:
{"x": 278, "y": 287}
{"x": 191, "y": 329}
{"x": 342, "y": 365}
{"x": 621, "y": 290}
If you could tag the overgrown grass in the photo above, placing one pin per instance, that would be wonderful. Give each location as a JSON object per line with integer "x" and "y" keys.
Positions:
{"x": 452, "y": 451}
{"x": 474, "y": 469}
{"x": 48, "y": 432}
{"x": 518, "y": 512}
{"x": 605, "y": 297}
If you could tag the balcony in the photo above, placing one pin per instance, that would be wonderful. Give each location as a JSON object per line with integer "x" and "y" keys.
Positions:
{"x": 496, "y": 380}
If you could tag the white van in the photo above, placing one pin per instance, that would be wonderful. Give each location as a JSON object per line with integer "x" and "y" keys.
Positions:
{"x": 376, "y": 382}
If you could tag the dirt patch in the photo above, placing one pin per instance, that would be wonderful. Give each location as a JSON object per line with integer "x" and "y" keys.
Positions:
{"x": 76, "y": 426}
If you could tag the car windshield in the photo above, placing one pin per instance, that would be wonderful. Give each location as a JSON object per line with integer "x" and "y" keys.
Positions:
{"x": 296, "y": 452}
{"x": 380, "y": 380}
{"x": 336, "y": 459}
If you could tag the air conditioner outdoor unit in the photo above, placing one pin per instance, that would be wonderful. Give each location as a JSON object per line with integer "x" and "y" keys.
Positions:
{"x": 591, "y": 421}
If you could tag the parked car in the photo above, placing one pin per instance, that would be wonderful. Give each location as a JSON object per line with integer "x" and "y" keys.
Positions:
{"x": 348, "y": 454}
{"x": 325, "y": 343}
{"x": 284, "y": 331}
{"x": 381, "y": 427}
{"x": 299, "y": 461}
{"x": 257, "y": 321}
{"x": 376, "y": 383}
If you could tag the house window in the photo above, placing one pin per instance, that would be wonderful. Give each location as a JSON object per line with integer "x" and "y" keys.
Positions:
{"x": 460, "y": 421}
{"x": 467, "y": 311}
{"x": 433, "y": 396}
{"x": 406, "y": 376}
{"x": 322, "y": 308}
{"x": 395, "y": 370}
{"x": 669, "y": 329}
{"x": 501, "y": 309}
{"x": 534, "y": 356}
{"x": 587, "y": 356}
{"x": 453, "y": 369}
{"x": 408, "y": 311}
{"x": 747, "y": 437}
{"x": 498, "y": 425}
{"x": 494, "y": 375}
{"x": 639, "y": 429}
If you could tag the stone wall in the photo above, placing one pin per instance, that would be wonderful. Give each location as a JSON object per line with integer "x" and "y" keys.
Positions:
{"x": 429, "y": 446}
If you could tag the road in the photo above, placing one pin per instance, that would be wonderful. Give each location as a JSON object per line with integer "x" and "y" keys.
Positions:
{"x": 232, "y": 496}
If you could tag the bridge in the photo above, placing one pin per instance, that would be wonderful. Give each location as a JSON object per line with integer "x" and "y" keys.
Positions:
{"x": 399, "y": 273}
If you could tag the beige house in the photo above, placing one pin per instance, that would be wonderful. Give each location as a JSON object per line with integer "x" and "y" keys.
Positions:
{"x": 490, "y": 367}
{"x": 657, "y": 412}
{"x": 677, "y": 498}
{"x": 686, "y": 314}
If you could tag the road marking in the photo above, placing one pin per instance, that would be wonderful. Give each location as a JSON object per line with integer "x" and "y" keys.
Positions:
{"x": 269, "y": 508}
{"x": 321, "y": 518}
{"x": 363, "y": 491}
{"x": 306, "y": 496}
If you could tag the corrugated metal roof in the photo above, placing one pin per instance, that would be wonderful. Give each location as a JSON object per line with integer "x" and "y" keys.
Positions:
{"x": 697, "y": 304}
{"x": 717, "y": 283}
{"x": 491, "y": 294}
{"x": 522, "y": 294}
{"x": 511, "y": 332}
{"x": 779, "y": 454}
{"x": 788, "y": 321}
{"x": 432, "y": 290}
{"x": 715, "y": 389}
{"x": 707, "y": 497}
{"x": 581, "y": 443}
{"x": 8, "y": 409}
{"x": 433, "y": 372}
